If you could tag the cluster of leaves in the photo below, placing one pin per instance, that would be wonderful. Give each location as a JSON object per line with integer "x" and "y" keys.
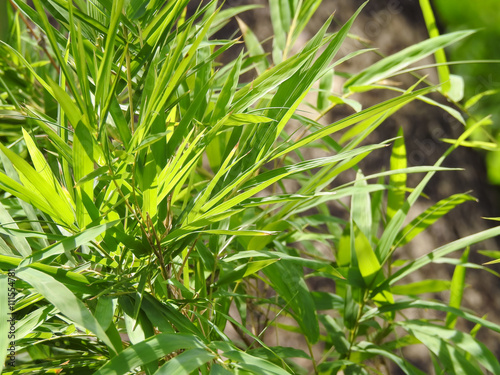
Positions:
{"x": 148, "y": 212}
{"x": 480, "y": 85}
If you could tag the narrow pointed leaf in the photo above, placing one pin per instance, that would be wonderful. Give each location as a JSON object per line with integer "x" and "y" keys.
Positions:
{"x": 147, "y": 351}
{"x": 390, "y": 65}
{"x": 396, "y": 195}
{"x": 68, "y": 244}
{"x": 62, "y": 298}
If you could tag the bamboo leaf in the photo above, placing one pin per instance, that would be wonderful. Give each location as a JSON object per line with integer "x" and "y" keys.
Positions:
{"x": 289, "y": 282}
{"x": 387, "y": 240}
{"x": 420, "y": 287}
{"x": 435, "y": 337}
{"x": 186, "y": 362}
{"x": 443, "y": 69}
{"x": 310, "y": 263}
{"x": 62, "y": 147}
{"x": 472, "y": 101}
{"x": 103, "y": 77}
{"x": 268, "y": 81}
{"x": 405, "y": 366}
{"x": 59, "y": 205}
{"x": 419, "y": 304}
{"x": 325, "y": 87}
{"x": 254, "y": 47}
{"x": 396, "y": 196}
{"x": 443, "y": 251}
{"x": 254, "y": 365}
{"x": 353, "y": 119}
{"x": 43, "y": 168}
{"x": 149, "y": 350}
{"x": 50, "y": 32}
{"x": 388, "y": 66}
{"x": 77, "y": 282}
{"x": 239, "y": 119}
{"x": 45, "y": 85}
{"x": 368, "y": 264}
{"x": 62, "y": 298}
{"x": 430, "y": 216}
{"x": 457, "y": 289}
{"x": 66, "y": 245}
{"x": 20, "y": 243}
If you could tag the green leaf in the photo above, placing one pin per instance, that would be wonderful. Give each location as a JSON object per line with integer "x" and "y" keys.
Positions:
{"x": 288, "y": 281}
{"x": 243, "y": 271}
{"x": 396, "y": 195}
{"x": 149, "y": 350}
{"x": 136, "y": 9}
{"x": 335, "y": 332}
{"x": 419, "y": 304}
{"x": 443, "y": 251}
{"x": 60, "y": 207}
{"x": 186, "y": 362}
{"x": 226, "y": 15}
{"x": 430, "y": 216}
{"x": 268, "y": 81}
{"x": 104, "y": 74}
{"x": 310, "y": 263}
{"x": 68, "y": 244}
{"x": 443, "y": 69}
{"x": 453, "y": 112}
{"x": 368, "y": 264}
{"x": 457, "y": 289}
{"x": 227, "y": 93}
{"x": 254, "y": 47}
{"x": 438, "y": 338}
{"x": 239, "y": 119}
{"x": 294, "y": 89}
{"x": 405, "y": 366}
{"x": 350, "y": 102}
{"x": 390, "y": 65}
{"x": 217, "y": 369}
{"x": 237, "y": 232}
{"x": 28, "y": 324}
{"x": 280, "y": 21}
{"x": 353, "y": 119}
{"x": 20, "y": 244}
{"x": 481, "y": 145}
{"x": 74, "y": 281}
{"x": 253, "y": 364}
{"x": 384, "y": 249}
{"x": 168, "y": 82}
{"x": 62, "y": 147}
{"x": 351, "y": 308}
{"x": 420, "y": 287}
{"x": 472, "y": 101}
{"x": 62, "y": 298}
{"x": 43, "y": 169}
{"x": 51, "y": 35}
{"x": 45, "y": 85}
{"x": 278, "y": 351}
{"x": 81, "y": 65}
{"x": 308, "y": 165}
{"x": 104, "y": 312}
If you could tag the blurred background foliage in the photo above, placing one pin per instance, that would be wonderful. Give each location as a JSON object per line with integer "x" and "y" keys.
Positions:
{"x": 479, "y": 78}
